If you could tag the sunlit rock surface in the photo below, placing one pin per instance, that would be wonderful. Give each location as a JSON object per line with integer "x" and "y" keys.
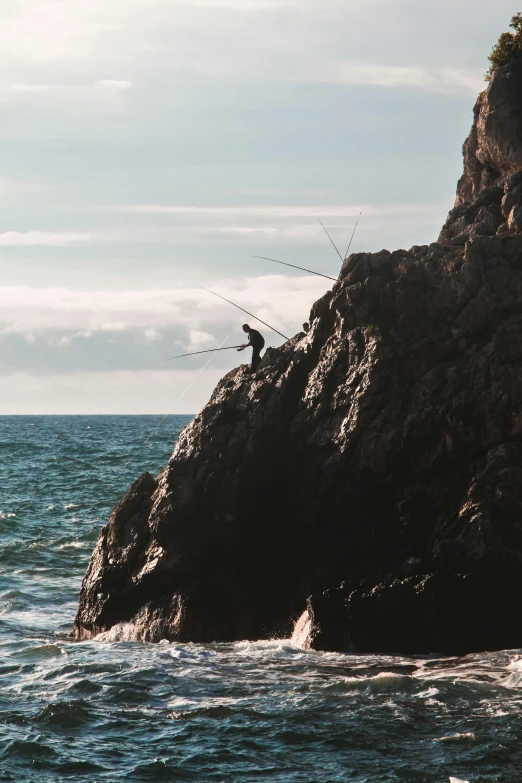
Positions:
{"x": 489, "y": 193}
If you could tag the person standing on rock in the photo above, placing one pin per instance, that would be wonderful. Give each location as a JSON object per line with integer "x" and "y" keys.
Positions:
{"x": 257, "y": 341}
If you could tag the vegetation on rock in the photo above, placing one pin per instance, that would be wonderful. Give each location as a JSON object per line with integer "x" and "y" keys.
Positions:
{"x": 508, "y": 46}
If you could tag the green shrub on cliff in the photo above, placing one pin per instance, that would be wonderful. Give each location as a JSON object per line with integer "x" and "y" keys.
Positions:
{"x": 508, "y": 46}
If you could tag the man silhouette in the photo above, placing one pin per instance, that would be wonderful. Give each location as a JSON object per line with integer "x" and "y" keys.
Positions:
{"x": 257, "y": 341}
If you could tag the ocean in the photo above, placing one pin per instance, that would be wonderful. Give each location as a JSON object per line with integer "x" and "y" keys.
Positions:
{"x": 116, "y": 710}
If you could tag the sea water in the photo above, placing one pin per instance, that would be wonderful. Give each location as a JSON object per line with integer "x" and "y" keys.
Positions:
{"x": 109, "y": 710}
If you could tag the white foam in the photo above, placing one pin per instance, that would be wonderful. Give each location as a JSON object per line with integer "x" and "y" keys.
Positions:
{"x": 302, "y": 630}
{"x": 122, "y": 632}
{"x": 388, "y": 681}
{"x": 467, "y": 735}
{"x": 516, "y": 665}
{"x": 72, "y": 545}
{"x": 428, "y": 694}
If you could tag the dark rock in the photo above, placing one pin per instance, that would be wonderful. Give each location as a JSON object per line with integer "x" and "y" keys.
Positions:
{"x": 381, "y": 451}
{"x": 444, "y": 613}
{"x": 389, "y": 434}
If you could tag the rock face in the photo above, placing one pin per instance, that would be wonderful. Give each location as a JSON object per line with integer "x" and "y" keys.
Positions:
{"x": 374, "y": 464}
{"x": 489, "y": 193}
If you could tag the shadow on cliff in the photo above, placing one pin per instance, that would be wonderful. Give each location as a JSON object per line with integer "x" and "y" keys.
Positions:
{"x": 374, "y": 463}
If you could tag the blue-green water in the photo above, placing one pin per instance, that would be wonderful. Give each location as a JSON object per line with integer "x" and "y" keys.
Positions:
{"x": 252, "y": 711}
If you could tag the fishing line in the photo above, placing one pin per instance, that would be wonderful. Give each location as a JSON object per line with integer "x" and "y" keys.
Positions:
{"x": 197, "y": 353}
{"x": 147, "y": 440}
{"x": 331, "y": 240}
{"x": 205, "y": 366}
{"x": 245, "y": 311}
{"x": 297, "y": 267}
{"x": 353, "y": 234}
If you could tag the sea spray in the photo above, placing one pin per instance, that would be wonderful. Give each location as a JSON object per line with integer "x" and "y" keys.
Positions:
{"x": 302, "y": 631}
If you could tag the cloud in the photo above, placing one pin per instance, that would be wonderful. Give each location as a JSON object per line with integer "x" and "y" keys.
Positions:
{"x": 269, "y": 224}
{"x": 12, "y": 186}
{"x": 80, "y": 342}
{"x": 266, "y": 223}
{"x": 219, "y": 39}
{"x": 37, "y": 88}
{"x": 151, "y": 335}
{"x": 111, "y": 84}
{"x": 280, "y": 210}
{"x": 260, "y": 210}
{"x": 115, "y": 84}
{"x": 74, "y": 98}
{"x": 444, "y": 80}
{"x": 200, "y": 340}
{"x": 280, "y": 299}
{"x": 32, "y": 238}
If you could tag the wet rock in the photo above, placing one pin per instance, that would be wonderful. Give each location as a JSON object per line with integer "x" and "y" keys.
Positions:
{"x": 440, "y": 612}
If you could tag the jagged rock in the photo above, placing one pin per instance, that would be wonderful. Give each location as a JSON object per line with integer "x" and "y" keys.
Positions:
{"x": 484, "y": 216}
{"x": 390, "y": 433}
{"x": 489, "y": 193}
{"x": 381, "y": 451}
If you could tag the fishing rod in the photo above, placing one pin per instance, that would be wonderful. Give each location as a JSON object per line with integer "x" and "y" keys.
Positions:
{"x": 245, "y": 311}
{"x": 353, "y": 234}
{"x": 297, "y": 267}
{"x": 146, "y": 442}
{"x": 331, "y": 240}
{"x": 209, "y": 350}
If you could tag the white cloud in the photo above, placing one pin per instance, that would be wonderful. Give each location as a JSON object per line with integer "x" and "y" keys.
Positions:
{"x": 12, "y": 186}
{"x": 473, "y": 81}
{"x": 412, "y": 76}
{"x": 282, "y": 300}
{"x": 50, "y": 30}
{"x": 38, "y": 88}
{"x": 260, "y": 210}
{"x": 115, "y": 84}
{"x": 200, "y": 340}
{"x": 72, "y": 89}
{"x": 268, "y": 40}
{"x": 103, "y": 96}
{"x": 264, "y": 222}
{"x": 266, "y": 230}
{"x": 280, "y": 210}
{"x": 31, "y": 238}
{"x": 151, "y": 335}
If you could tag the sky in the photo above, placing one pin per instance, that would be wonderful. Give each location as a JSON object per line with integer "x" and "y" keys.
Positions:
{"x": 149, "y": 147}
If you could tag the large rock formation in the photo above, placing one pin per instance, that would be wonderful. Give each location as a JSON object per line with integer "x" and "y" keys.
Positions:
{"x": 489, "y": 193}
{"x": 374, "y": 464}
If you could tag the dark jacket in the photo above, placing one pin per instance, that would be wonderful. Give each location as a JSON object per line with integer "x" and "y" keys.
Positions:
{"x": 256, "y": 340}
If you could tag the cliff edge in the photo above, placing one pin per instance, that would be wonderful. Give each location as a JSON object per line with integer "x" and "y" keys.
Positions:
{"x": 489, "y": 193}
{"x": 370, "y": 471}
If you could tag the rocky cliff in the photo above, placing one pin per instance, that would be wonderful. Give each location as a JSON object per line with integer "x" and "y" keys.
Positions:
{"x": 371, "y": 470}
{"x": 489, "y": 193}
